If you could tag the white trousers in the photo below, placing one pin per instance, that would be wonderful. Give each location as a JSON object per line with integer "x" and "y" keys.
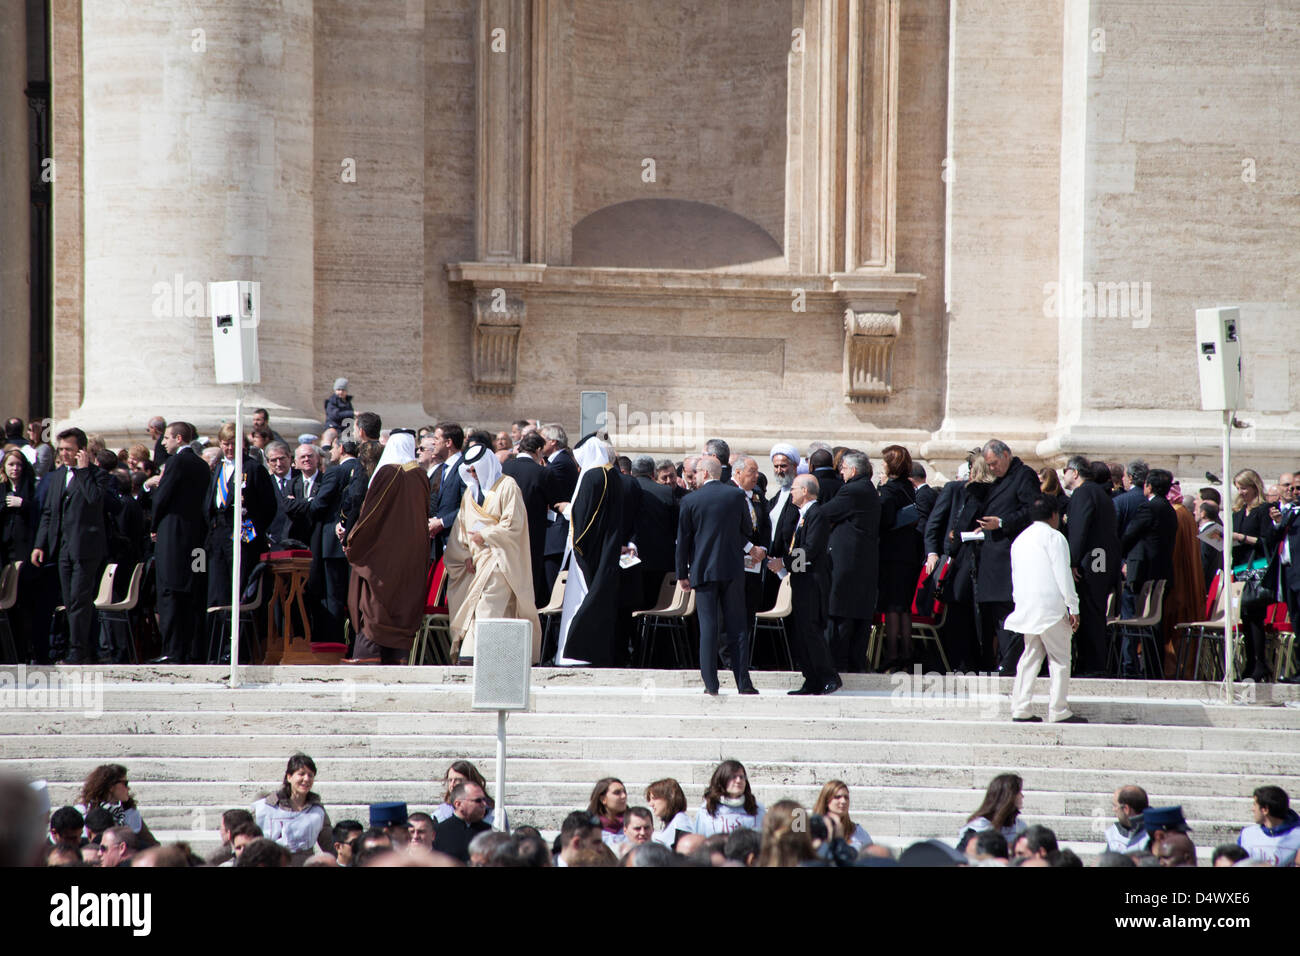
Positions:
{"x": 1054, "y": 644}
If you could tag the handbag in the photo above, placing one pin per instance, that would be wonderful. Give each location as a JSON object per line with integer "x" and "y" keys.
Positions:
{"x": 1256, "y": 595}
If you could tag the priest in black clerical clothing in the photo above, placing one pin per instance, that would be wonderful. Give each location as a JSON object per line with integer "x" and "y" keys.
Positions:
{"x": 596, "y": 517}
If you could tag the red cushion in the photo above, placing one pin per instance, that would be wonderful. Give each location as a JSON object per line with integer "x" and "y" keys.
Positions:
{"x": 321, "y": 647}
{"x": 282, "y": 555}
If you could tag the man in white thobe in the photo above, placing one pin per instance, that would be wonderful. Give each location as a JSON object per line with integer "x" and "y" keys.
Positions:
{"x": 1046, "y": 612}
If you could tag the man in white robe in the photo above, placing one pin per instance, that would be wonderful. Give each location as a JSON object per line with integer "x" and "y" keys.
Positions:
{"x": 488, "y": 562}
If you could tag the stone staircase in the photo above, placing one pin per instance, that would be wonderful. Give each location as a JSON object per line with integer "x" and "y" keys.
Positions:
{"x": 916, "y": 752}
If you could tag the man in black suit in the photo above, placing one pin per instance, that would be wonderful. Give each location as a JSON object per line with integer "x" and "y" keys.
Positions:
{"x": 259, "y": 506}
{"x": 526, "y": 469}
{"x": 713, "y": 528}
{"x": 328, "y": 583}
{"x": 561, "y": 481}
{"x": 1127, "y": 503}
{"x": 1288, "y": 566}
{"x": 1094, "y": 558}
{"x": 446, "y": 487}
{"x": 821, "y": 465}
{"x": 854, "y": 547}
{"x": 1148, "y": 547}
{"x": 807, "y": 561}
{"x": 744, "y": 475}
{"x": 926, "y": 496}
{"x": 302, "y": 489}
{"x": 719, "y": 451}
{"x": 280, "y": 465}
{"x": 73, "y": 532}
{"x": 654, "y": 530}
{"x": 157, "y": 431}
{"x": 178, "y": 531}
{"x": 1006, "y": 513}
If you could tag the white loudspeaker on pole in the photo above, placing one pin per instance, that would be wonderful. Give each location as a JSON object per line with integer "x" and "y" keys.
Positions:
{"x": 1218, "y": 360}
{"x": 503, "y": 665}
{"x": 235, "y": 307}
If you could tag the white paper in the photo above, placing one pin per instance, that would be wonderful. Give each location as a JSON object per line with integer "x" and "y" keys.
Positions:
{"x": 628, "y": 561}
{"x": 972, "y": 535}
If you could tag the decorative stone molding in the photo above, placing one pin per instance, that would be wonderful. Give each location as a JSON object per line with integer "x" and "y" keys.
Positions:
{"x": 494, "y": 354}
{"x": 869, "y": 339}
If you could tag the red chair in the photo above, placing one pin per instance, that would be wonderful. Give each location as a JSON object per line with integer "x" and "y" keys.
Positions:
{"x": 1212, "y": 594}
{"x": 434, "y": 636}
{"x": 925, "y": 626}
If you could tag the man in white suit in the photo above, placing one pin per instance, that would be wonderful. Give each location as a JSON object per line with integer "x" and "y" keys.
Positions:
{"x": 1046, "y": 612}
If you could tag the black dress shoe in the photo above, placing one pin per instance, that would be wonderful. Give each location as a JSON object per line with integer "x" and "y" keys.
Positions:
{"x": 751, "y": 689}
{"x": 165, "y": 659}
{"x": 803, "y": 691}
{"x": 1072, "y": 719}
{"x": 838, "y": 684}
{"x": 711, "y": 693}
{"x": 1031, "y": 719}
{"x": 830, "y": 688}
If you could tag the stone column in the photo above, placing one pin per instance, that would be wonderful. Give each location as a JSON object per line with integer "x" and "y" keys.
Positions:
{"x": 15, "y": 200}
{"x": 198, "y": 167}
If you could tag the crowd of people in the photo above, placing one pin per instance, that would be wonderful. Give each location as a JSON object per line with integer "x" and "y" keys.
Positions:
{"x": 291, "y": 827}
{"x": 505, "y": 513}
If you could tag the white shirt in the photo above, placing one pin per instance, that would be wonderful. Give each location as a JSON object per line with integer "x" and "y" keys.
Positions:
{"x": 1041, "y": 583}
{"x": 775, "y": 512}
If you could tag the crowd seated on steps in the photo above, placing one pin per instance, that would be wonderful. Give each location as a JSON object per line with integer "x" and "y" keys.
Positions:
{"x": 290, "y": 827}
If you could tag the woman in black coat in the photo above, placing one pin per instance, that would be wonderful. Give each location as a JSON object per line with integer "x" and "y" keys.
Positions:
{"x": 900, "y": 556}
{"x": 18, "y": 514}
{"x": 1253, "y": 538}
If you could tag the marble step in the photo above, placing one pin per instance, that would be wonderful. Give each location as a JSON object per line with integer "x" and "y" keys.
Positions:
{"x": 1124, "y": 762}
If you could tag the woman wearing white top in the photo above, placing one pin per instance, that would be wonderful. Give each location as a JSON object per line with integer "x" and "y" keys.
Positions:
{"x": 729, "y": 804}
{"x": 294, "y": 816}
{"x": 107, "y": 788}
{"x": 668, "y": 804}
{"x": 833, "y": 804}
{"x": 462, "y": 771}
{"x": 1000, "y": 811}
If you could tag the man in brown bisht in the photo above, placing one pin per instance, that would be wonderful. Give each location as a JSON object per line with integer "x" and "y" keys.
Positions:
{"x": 488, "y": 562}
{"x": 388, "y": 548}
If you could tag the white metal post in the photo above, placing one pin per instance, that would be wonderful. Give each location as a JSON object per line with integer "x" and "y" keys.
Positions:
{"x": 237, "y": 536}
{"x": 1229, "y": 623}
{"x": 500, "y": 817}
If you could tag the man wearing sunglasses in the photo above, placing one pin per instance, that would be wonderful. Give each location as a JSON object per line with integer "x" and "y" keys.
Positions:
{"x": 454, "y": 834}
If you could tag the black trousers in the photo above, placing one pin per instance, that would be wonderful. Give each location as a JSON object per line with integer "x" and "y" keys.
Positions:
{"x": 331, "y": 608}
{"x": 1000, "y": 649}
{"x": 176, "y": 622}
{"x": 720, "y": 606}
{"x": 1094, "y": 594}
{"x": 807, "y": 622}
{"x": 849, "y": 637}
{"x": 79, "y": 580}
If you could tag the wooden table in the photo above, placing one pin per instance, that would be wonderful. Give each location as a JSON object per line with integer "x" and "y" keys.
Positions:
{"x": 289, "y": 571}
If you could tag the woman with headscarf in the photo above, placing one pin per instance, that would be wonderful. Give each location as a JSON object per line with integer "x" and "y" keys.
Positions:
{"x": 596, "y": 536}
{"x": 388, "y": 548}
{"x": 489, "y": 566}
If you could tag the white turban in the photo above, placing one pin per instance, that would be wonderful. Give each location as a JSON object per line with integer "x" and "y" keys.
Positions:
{"x": 785, "y": 448}
{"x": 399, "y": 449}
{"x": 484, "y": 461}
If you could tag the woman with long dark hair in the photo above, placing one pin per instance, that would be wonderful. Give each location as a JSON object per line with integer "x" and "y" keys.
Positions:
{"x": 900, "y": 556}
{"x": 729, "y": 803}
{"x": 107, "y": 788}
{"x": 609, "y": 803}
{"x": 462, "y": 771}
{"x": 999, "y": 811}
{"x": 668, "y": 804}
{"x": 294, "y": 815}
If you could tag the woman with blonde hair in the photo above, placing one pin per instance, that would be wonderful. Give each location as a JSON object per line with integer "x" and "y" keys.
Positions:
{"x": 787, "y": 840}
{"x": 833, "y": 804}
{"x": 1253, "y": 538}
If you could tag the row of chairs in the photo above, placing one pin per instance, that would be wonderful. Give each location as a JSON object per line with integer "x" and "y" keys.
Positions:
{"x": 123, "y": 610}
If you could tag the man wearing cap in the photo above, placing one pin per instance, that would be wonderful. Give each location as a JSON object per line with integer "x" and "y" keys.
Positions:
{"x": 1126, "y": 835}
{"x": 488, "y": 560}
{"x": 390, "y": 816}
{"x": 1162, "y": 822}
{"x": 1275, "y": 835}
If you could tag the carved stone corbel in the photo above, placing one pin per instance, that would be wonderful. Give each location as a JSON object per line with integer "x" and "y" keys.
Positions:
{"x": 869, "y": 339}
{"x": 494, "y": 354}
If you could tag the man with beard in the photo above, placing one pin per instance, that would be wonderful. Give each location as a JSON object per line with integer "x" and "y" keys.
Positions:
{"x": 783, "y": 514}
{"x": 388, "y": 551}
{"x": 488, "y": 560}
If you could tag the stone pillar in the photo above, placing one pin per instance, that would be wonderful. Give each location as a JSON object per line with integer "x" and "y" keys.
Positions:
{"x": 198, "y": 167}
{"x": 504, "y": 157}
{"x": 15, "y": 200}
